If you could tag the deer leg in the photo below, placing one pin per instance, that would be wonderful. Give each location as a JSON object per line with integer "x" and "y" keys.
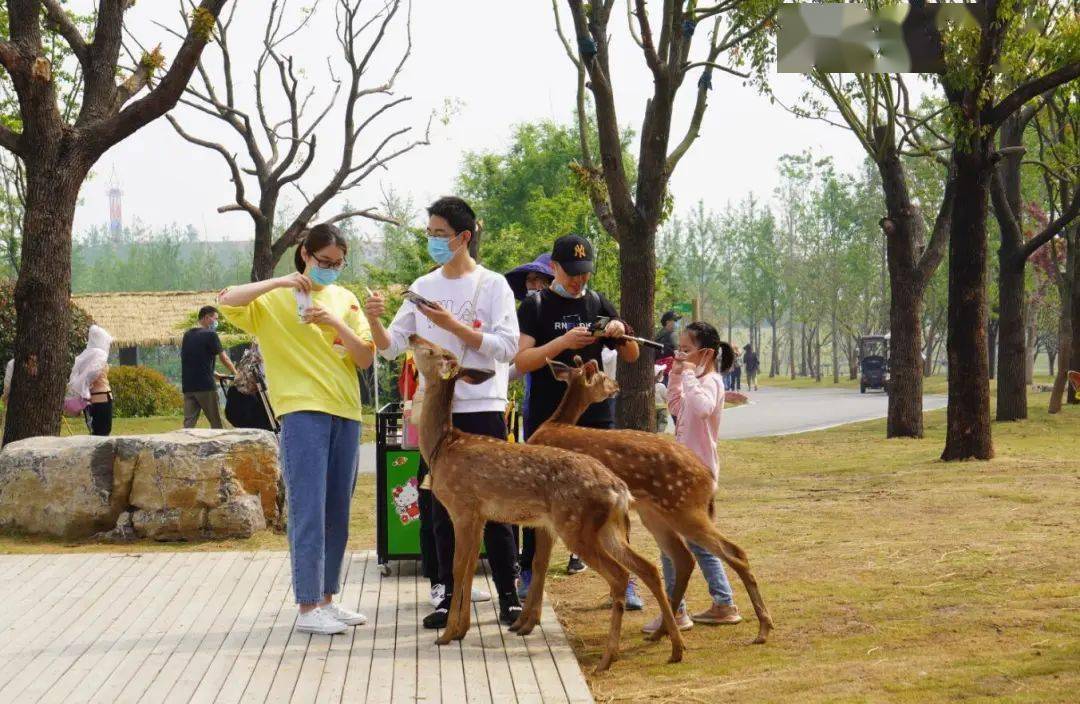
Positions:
{"x": 468, "y": 532}
{"x": 651, "y": 577}
{"x": 700, "y": 530}
{"x": 617, "y": 577}
{"x": 530, "y": 613}
{"x": 681, "y": 559}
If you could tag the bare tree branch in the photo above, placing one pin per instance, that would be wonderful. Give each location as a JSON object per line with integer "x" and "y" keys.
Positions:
{"x": 1028, "y": 91}
{"x": 238, "y": 182}
{"x": 651, "y": 57}
{"x": 1054, "y": 228}
{"x": 66, "y": 28}
{"x": 11, "y": 140}
{"x": 370, "y": 214}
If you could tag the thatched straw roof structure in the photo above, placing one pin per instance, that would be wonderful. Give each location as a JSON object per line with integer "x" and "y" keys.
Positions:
{"x": 145, "y": 319}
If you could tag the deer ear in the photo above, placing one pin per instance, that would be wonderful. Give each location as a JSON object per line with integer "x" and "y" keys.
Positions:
{"x": 447, "y": 369}
{"x": 591, "y": 369}
{"x": 577, "y": 361}
{"x": 474, "y": 376}
{"x": 560, "y": 371}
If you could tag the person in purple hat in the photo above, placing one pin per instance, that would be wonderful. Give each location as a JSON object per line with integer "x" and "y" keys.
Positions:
{"x": 532, "y": 277}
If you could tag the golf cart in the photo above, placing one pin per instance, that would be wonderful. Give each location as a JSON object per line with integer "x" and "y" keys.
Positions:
{"x": 874, "y": 363}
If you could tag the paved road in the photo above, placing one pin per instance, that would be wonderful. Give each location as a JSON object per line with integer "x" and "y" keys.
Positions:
{"x": 776, "y": 411}
{"x": 787, "y": 411}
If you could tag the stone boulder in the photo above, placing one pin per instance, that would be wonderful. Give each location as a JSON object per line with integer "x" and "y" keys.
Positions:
{"x": 186, "y": 484}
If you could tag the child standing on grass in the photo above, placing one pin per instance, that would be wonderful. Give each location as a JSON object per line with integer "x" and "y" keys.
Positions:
{"x": 696, "y": 400}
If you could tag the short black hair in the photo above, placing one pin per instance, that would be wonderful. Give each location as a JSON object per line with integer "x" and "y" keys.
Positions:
{"x": 461, "y": 217}
{"x": 207, "y": 310}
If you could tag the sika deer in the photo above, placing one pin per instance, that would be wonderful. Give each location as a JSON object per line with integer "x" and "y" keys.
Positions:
{"x": 673, "y": 491}
{"x": 480, "y": 479}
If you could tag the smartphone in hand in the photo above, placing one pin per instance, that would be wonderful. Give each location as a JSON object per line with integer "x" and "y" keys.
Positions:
{"x": 418, "y": 299}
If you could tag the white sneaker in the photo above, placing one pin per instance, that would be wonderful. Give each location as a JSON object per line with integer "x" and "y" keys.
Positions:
{"x": 319, "y": 621}
{"x": 349, "y": 618}
{"x": 682, "y": 620}
{"x": 438, "y": 591}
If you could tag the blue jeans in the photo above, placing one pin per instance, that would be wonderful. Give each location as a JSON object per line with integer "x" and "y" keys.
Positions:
{"x": 712, "y": 568}
{"x": 318, "y": 458}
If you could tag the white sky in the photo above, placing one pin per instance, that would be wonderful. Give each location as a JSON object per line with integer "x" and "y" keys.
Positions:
{"x": 503, "y": 65}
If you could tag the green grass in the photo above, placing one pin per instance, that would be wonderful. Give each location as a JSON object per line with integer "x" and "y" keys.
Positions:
{"x": 890, "y": 575}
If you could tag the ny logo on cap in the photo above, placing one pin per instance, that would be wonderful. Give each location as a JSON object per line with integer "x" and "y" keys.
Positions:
{"x": 579, "y": 251}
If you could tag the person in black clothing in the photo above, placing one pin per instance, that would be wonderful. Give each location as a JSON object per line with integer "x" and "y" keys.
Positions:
{"x": 668, "y": 337}
{"x": 555, "y": 324}
{"x": 199, "y": 352}
{"x": 753, "y": 364}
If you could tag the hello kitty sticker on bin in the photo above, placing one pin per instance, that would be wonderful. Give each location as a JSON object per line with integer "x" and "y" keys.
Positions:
{"x": 407, "y": 501}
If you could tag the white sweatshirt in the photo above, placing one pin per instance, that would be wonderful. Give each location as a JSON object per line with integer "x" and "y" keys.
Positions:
{"x": 495, "y": 309}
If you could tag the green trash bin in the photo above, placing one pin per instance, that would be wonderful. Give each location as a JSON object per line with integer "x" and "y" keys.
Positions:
{"x": 397, "y": 493}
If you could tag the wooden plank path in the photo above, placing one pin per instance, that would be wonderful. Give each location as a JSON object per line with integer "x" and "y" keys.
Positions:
{"x": 218, "y": 627}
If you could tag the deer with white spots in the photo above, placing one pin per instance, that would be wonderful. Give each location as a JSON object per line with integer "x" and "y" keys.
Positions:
{"x": 480, "y": 479}
{"x": 672, "y": 489}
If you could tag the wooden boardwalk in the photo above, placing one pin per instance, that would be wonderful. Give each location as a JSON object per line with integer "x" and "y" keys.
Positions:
{"x": 217, "y": 627}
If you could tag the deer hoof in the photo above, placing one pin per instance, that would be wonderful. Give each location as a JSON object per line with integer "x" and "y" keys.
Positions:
{"x": 444, "y": 639}
{"x": 676, "y": 656}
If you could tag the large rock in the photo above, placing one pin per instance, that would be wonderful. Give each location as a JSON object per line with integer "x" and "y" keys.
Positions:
{"x": 178, "y": 485}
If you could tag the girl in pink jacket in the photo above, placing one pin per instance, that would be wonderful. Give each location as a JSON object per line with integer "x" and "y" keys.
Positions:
{"x": 696, "y": 400}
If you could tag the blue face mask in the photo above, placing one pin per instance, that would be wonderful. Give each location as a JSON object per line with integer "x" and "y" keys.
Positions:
{"x": 213, "y": 325}
{"x": 439, "y": 249}
{"x": 323, "y": 277}
{"x": 561, "y": 290}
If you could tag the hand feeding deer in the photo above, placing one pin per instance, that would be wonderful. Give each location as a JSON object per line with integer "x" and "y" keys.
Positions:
{"x": 672, "y": 490}
{"x": 481, "y": 479}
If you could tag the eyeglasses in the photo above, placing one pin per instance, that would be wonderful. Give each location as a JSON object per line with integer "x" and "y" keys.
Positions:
{"x": 336, "y": 266}
{"x": 435, "y": 236}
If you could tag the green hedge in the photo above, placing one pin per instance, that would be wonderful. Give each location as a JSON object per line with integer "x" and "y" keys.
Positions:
{"x": 141, "y": 392}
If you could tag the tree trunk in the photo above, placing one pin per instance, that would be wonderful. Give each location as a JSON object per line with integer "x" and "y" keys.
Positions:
{"x": 835, "y": 350}
{"x": 791, "y": 345}
{"x": 1065, "y": 323}
{"x": 817, "y": 354}
{"x": 42, "y": 297}
{"x": 968, "y": 432}
{"x": 637, "y": 277}
{"x": 1011, "y": 346}
{"x": 1031, "y": 341}
{"x": 774, "y": 361}
{"x": 1074, "y": 343}
{"x": 263, "y": 261}
{"x": 991, "y": 345}
{"x": 905, "y": 367}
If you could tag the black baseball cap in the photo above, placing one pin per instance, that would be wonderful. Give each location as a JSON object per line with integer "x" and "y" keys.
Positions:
{"x": 670, "y": 315}
{"x": 574, "y": 254}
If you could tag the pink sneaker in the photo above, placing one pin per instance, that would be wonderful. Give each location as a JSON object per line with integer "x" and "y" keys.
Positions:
{"x": 682, "y": 620}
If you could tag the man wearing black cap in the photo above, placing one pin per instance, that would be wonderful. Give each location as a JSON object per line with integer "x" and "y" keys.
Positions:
{"x": 667, "y": 336}
{"x": 556, "y": 324}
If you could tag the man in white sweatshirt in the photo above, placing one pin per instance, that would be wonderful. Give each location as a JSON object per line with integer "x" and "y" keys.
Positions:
{"x": 474, "y": 317}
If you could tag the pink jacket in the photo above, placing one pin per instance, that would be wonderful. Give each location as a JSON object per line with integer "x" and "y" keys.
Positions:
{"x": 697, "y": 405}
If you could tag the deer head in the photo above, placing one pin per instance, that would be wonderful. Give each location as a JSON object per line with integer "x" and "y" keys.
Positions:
{"x": 437, "y": 365}
{"x": 586, "y": 383}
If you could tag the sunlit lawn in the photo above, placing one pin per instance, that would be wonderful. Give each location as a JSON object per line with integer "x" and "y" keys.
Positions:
{"x": 891, "y": 576}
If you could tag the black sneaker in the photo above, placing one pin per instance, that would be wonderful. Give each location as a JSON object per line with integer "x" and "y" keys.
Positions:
{"x": 509, "y": 608}
{"x": 438, "y": 617}
{"x": 575, "y": 565}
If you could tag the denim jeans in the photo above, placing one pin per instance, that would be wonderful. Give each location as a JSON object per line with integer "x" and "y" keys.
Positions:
{"x": 318, "y": 457}
{"x": 712, "y": 568}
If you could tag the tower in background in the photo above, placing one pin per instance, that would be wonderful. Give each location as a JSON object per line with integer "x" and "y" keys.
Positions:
{"x": 116, "y": 219}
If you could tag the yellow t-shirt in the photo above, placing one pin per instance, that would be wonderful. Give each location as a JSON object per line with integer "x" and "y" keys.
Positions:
{"x": 305, "y": 370}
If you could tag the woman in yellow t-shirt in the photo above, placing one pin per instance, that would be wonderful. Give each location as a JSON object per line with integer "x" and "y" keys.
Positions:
{"x": 313, "y": 338}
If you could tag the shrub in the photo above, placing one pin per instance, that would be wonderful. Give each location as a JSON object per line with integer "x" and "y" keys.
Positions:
{"x": 141, "y": 392}
{"x": 76, "y": 342}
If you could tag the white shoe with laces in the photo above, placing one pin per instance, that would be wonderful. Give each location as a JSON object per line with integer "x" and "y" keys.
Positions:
{"x": 349, "y": 618}
{"x": 438, "y": 592}
{"x": 320, "y": 622}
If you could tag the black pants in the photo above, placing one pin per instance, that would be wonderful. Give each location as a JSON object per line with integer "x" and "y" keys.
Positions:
{"x": 528, "y": 535}
{"x": 437, "y": 530}
{"x": 99, "y": 417}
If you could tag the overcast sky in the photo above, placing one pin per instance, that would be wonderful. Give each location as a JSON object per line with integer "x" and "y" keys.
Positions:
{"x": 499, "y": 63}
